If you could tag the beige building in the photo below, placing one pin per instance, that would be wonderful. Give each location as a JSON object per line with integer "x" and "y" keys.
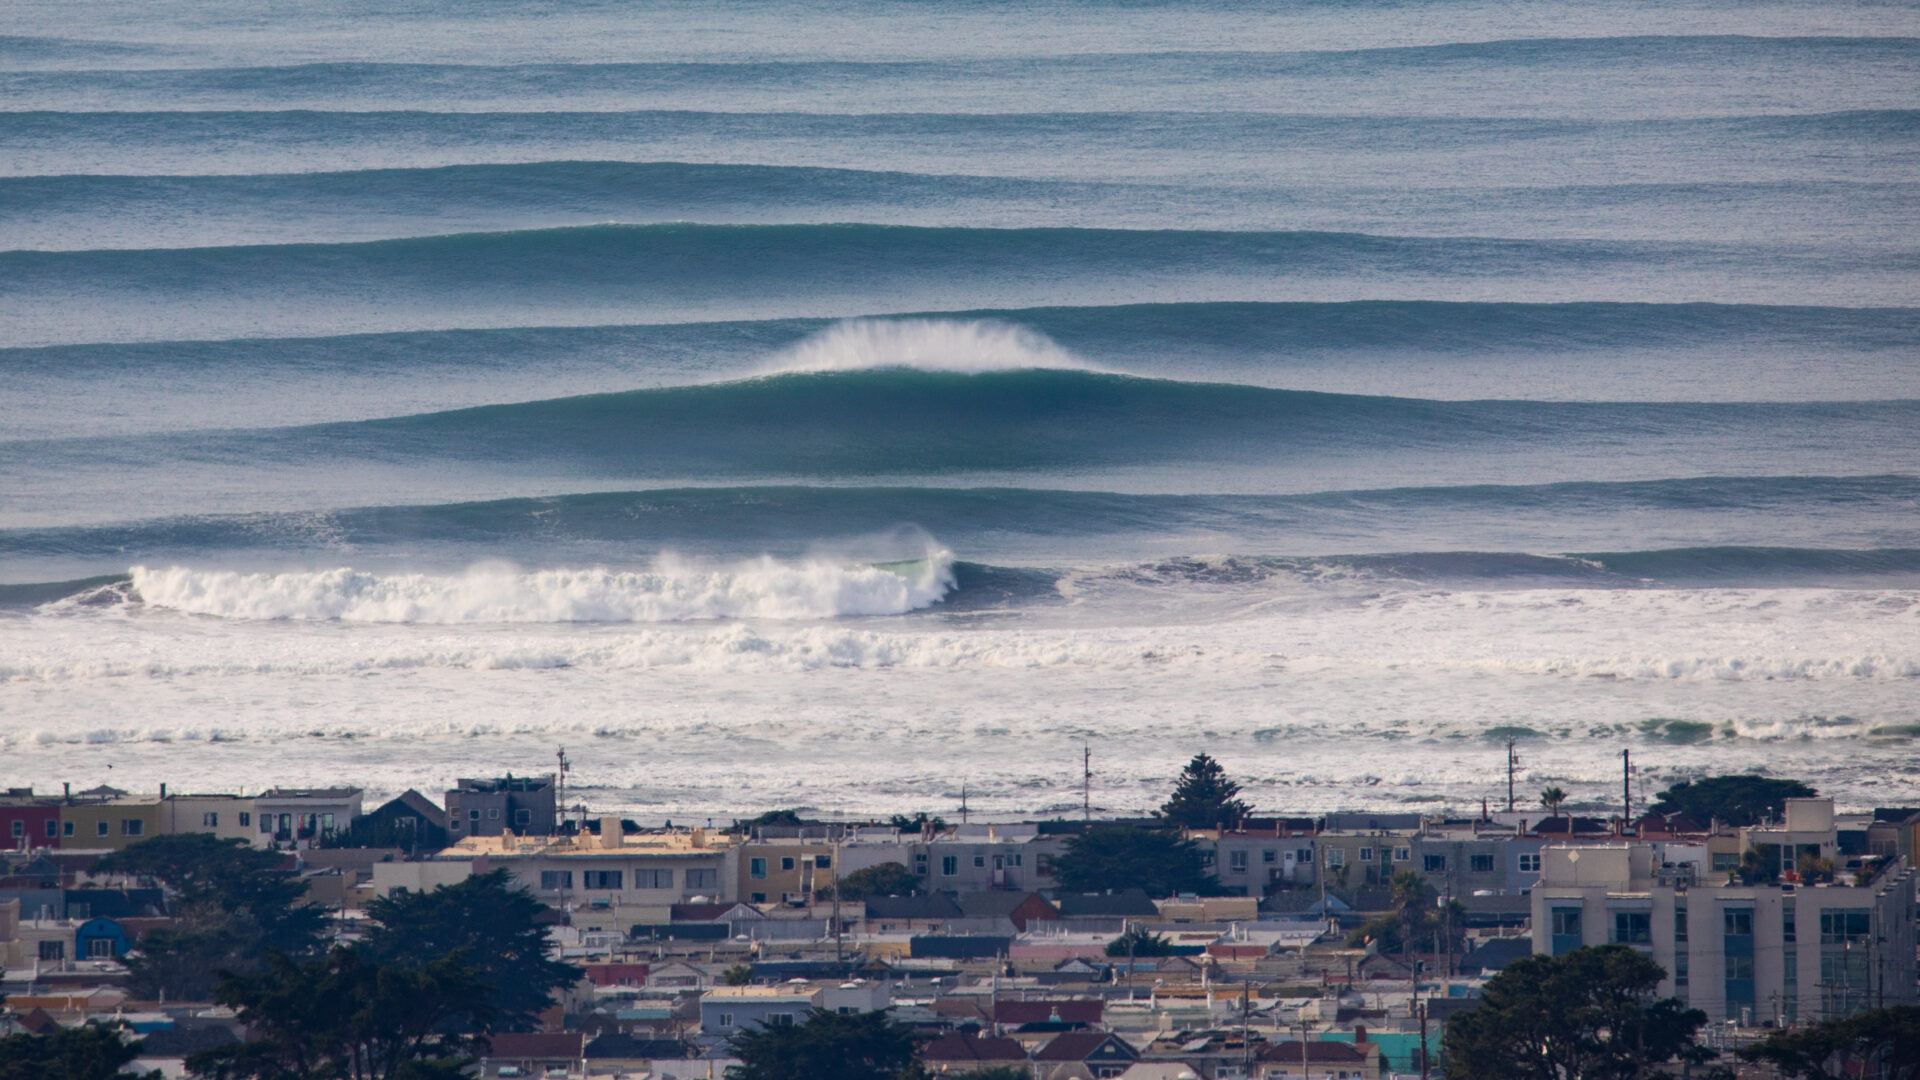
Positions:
{"x": 108, "y": 824}
{"x": 1775, "y": 952}
{"x": 229, "y": 817}
{"x": 789, "y": 871}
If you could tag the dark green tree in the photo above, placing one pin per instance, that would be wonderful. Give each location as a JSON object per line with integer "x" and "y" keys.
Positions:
{"x": 1203, "y": 797}
{"x": 1734, "y": 800}
{"x": 1589, "y": 1014}
{"x": 1138, "y": 941}
{"x": 737, "y": 975}
{"x": 917, "y": 823}
{"x": 1416, "y": 921}
{"x": 828, "y": 1046}
{"x": 1553, "y": 798}
{"x": 1882, "y": 1043}
{"x": 995, "y": 1072}
{"x": 342, "y": 1017}
{"x": 772, "y": 818}
{"x": 886, "y": 879}
{"x": 87, "y": 1052}
{"x": 1124, "y": 857}
{"x": 495, "y": 923}
{"x": 232, "y": 905}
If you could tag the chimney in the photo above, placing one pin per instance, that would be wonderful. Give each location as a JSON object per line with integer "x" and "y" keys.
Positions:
{"x": 1359, "y": 1034}
{"x": 610, "y": 833}
{"x": 163, "y": 789}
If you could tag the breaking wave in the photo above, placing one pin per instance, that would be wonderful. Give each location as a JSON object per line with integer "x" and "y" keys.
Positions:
{"x": 671, "y": 591}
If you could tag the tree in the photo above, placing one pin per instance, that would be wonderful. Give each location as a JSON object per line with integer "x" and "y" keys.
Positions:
{"x": 886, "y": 879}
{"x": 1552, "y": 798}
{"x": 1586, "y": 1015}
{"x": 1139, "y": 941}
{"x": 1735, "y": 800}
{"x": 87, "y": 1052}
{"x": 995, "y": 1072}
{"x": 828, "y": 1046}
{"x": 1203, "y": 797}
{"x": 1123, "y": 857}
{"x": 495, "y": 923}
{"x": 1415, "y": 920}
{"x": 787, "y": 819}
{"x": 737, "y": 975}
{"x": 342, "y": 1016}
{"x": 1882, "y": 1043}
{"x": 232, "y": 905}
{"x": 919, "y": 822}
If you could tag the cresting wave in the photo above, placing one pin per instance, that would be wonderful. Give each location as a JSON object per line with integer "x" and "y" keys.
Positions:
{"x": 970, "y": 347}
{"x": 671, "y": 591}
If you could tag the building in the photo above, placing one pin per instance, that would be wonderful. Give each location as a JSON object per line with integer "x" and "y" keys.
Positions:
{"x": 229, "y": 817}
{"x": 967, "y": 1051}
{"x": 28, "y": 821}
{"x": 1774, "y": 948}
{"x": 728, "y": 1009}
{"x": 1319, "y": 1061}
{"x": 99, "y": 821}
{"x": 521, "y": 804}
{"x": 302, "y": 817}
{"x": 610, "y": 880}
{"x": 784, "y": 870}
{"x": 408, "y": 821}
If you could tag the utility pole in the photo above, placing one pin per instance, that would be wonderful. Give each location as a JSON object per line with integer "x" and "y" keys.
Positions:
{"x": 1512, "y": 760}
{"x": 1422, "y": 1007}
{"x": 838, "y": 954}
{"x": 963, "y": 802}
{"x": 1246, "y": 1043}
{"x": 1626, "y": 790}
{"x": 1086, "y": 783}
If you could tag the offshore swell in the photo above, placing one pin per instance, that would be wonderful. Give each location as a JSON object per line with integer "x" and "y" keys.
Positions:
{"x": 1280, "y": 382}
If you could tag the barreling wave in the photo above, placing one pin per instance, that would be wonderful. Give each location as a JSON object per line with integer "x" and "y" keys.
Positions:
{"x": 671, "y": 591}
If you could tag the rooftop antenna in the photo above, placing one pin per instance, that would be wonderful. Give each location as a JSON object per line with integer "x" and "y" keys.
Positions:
{"x": 560, "y": 782}
{"x": 963, "y": 802}
{"x": 1626, "y": 790}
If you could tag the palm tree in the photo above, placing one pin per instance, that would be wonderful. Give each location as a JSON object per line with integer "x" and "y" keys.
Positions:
{"x": 1552, "y": 798}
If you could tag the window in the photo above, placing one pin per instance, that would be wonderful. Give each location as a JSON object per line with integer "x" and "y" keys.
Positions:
{"x": 53, "y": 828}
{"x": 1726, "y": 860}
{"x": 1435, "y": 863}
{"x": 1366, "y": 854}
{"x": 757, "y": 868}
{"x": 601, "y": 879}
{"x": 703, "y": 879}
{"x": 246, "y": 820}
{"x": 132, "y": 827}
{"x": 1789, "y": 922}
{"x": 726, "y": 1020}
{"x": 19, "y": 827}
{"x": 949, "y": 864}
{"x": 1268, "y": 855}
{"x": 552, "y": 880}
{"x": 1529, "y": 862}
{"x": 66, "y": 828}
{"x": 1401, "y": 854}
{"x": 782, "y": 1019}
{"x": 1838, "y": 926}
{"x": 210, "y": 819}
{"x": 1237, "y": 860}
{"x": 1014, "y": 859}
{"x": 452, "y": 825}
{"x": 53, "y": 950}
{"x": 101, "y": 828}
{"x": 653, "y": 879}
{"x": 266, "y": 823}
{"x": 1739, "y": 967}
{"x": 1790, "y": 972}
{"x": 979, "y": 862}
{"x": 493, "y": 813}
{"x": 1738, "y": 921}
{"x": 1680, "y": 923}
{"x": 1566, "y": 922}
{"x": 100, "y": 948}
{"x": 326, "y": 823}
{"x": 1632, "y": 928}
{"x": 1680, "y": 968}
{"x": 82, "y": 912}
{"x": 759, "y": 898}
{"x": 523, "y": 817}
{"x": 473, "y": 814}
{"x": 823, "y": 862}
{"x": 1480, "y": 864}
{"x": 786, "y": 862}
{"x": 1336, "y": 856}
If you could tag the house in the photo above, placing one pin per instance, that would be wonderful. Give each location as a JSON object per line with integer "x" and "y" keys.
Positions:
{"x": 786, "y": 870}
{"x": 28, "y": 821}
{"x": 1001, "y": 911}
{"x": 906, "y": 914}
{"x": 409, "y": 821}
{"x": 1084, "y": 1055}
{"x": 532, "y": 1053}
{"x": 677, "y": 976}
{"x": 1320, "y": 1061}
{"x": 302, "y": 817}
{"x": 1069, "y": 1012}
{"x": 1493, "y": 954}
{"x": 600, "y": 876}
{"x": 523, "y": 805}
{"x": 616, "y": 973}
{"x": 1106, "y": 912}
{"x": 107, "y": 821}
{"x": 229, "y": 817}
{"x": 967, "y": 1051}
{"x": 100, "y": 939}
{"x": 727, "y": 1009}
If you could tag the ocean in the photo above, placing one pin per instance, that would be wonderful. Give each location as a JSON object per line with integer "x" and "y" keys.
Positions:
{"x": 843, "y": 405}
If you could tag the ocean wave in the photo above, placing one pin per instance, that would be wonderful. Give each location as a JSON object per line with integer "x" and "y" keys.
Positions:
{"x": 670, "y": 591}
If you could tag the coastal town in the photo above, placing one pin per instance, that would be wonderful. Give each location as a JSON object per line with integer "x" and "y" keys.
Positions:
{"x": 1207, "y": 941}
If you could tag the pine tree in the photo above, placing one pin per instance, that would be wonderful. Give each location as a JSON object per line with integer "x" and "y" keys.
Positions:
{"x": 1203, "y": 797}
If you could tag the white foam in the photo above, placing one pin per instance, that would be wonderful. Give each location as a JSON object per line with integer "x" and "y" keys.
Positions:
{"x": 672, "y": 591}
{"x": 970, "y": 347}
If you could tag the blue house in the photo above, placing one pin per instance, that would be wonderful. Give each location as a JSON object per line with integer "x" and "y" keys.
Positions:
{"x": 100, "y": 939}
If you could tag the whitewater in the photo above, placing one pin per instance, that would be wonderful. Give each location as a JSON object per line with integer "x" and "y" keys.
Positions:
{"x": 841, "y": 406}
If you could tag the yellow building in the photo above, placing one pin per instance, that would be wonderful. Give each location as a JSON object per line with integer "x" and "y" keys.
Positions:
{"x": 108, "y": 823}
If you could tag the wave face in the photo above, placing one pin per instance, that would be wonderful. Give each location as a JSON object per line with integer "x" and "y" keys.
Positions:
{"x": 710, "y": 390}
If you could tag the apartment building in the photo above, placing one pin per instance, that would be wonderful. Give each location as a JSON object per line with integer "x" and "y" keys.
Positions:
{"x": 229, "y": 817}
{"x": 611, "y": 872}
{"x": 1779, "y": 950}
{"x": 520, "y": 804}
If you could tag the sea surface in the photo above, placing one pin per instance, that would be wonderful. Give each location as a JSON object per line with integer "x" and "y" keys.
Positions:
{"x": 841, "y": 405}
